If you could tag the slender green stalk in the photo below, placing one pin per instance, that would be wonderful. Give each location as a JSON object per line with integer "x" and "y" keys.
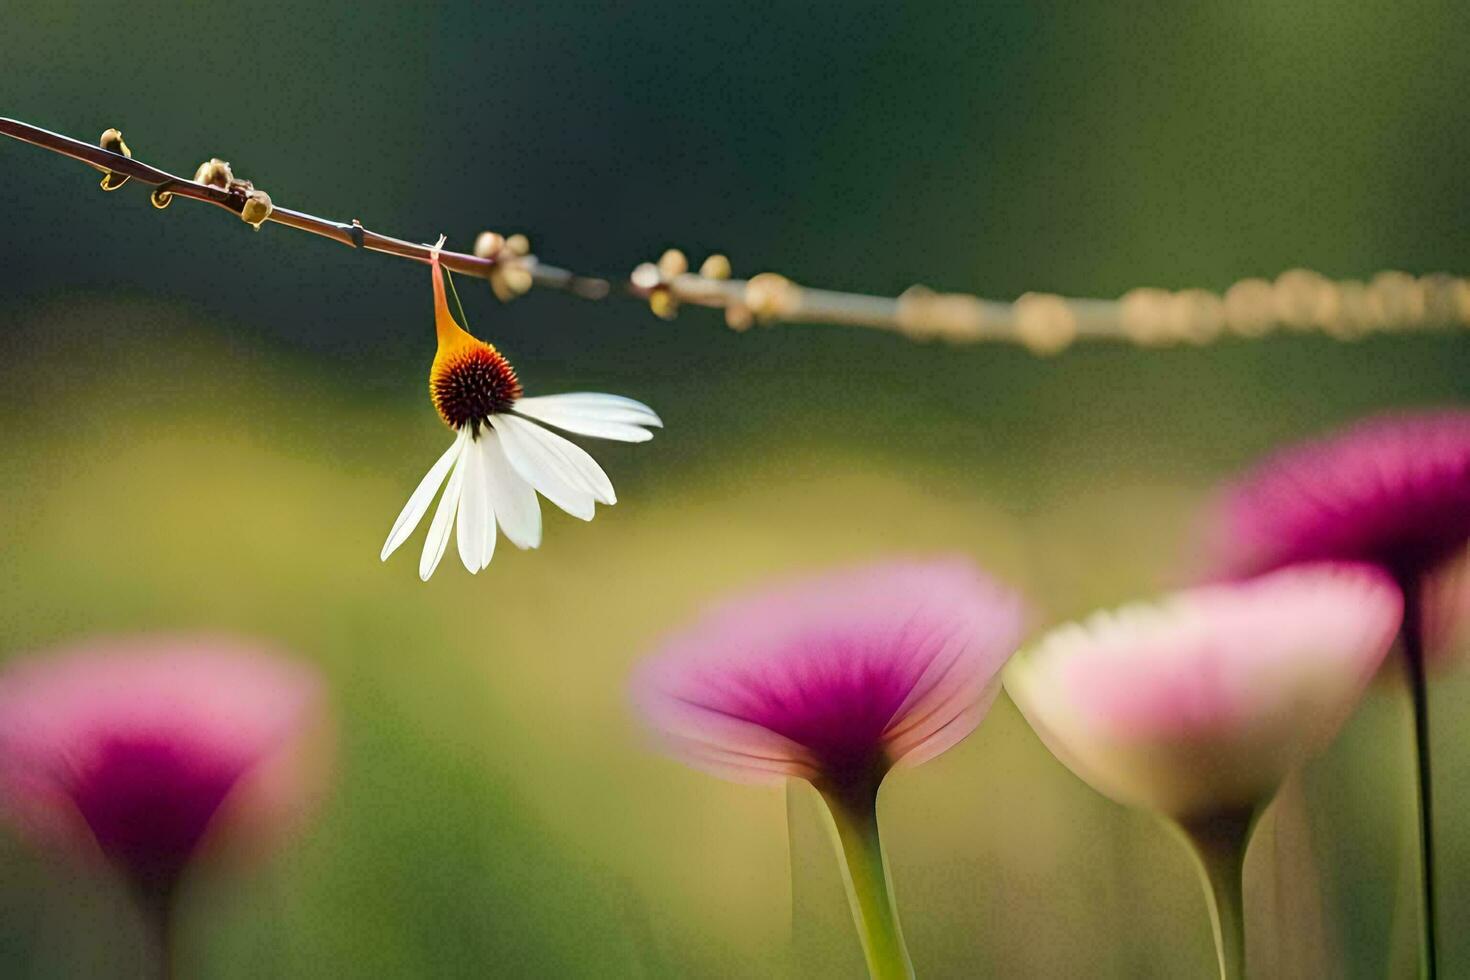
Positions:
{"x": 1412, "y": 636}
{"x": 869, "y": 887}
{"x": 156, "y": 901}
{"x": 1219, "y": 843}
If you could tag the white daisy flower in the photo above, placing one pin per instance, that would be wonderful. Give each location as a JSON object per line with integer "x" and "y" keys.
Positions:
{"x": 502, "y": 454}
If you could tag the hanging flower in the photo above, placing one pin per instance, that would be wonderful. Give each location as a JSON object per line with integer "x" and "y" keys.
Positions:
{"x": 143, "y": 749}
{"x": 503, "y": 454}
{"x": 836, "y": 680}
{"x": 1198, "y": 706}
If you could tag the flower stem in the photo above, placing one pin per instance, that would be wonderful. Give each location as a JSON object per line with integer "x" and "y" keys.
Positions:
{"x": 1219, "y": 843}
{"x": 1412, "y": 636}
{"x": 156, "y": 901}
{"x": 869, "y": 888}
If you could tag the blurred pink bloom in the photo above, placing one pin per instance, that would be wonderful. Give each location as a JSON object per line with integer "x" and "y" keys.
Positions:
{"x": 1392, "y": 490}
{"x": 834, "y": 678}
{"x": 1206, "y": 700}
{"x": 142, "y": 748}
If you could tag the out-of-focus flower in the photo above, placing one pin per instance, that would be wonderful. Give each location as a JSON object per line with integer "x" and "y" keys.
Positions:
{"x": 145, "y": 749}
{"x": 836, "y": 680}
{"x": 501, "y": 457}
{"x": 1209, "y": 698}
{"x": 1392, "y": 490}
{"x": 1200, "y": 705}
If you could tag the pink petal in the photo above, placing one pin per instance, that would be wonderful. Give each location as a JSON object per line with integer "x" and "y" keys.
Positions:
{"x": 834, "y": 674}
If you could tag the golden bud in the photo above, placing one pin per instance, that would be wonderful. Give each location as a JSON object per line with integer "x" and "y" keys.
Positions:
{"x": 672, "y": 263}
{"x": 518, "y": 279}
{"x": 518, "y": 245}
{"x": 215, "y": 173}
{"x": 112, "y": 140}
{"x": 1195, "y": 315}
{"x": 1045, "y": 323}
{"x": 1300, "y": 299}
{"x": 257, "y": 209}
{"x": 1249, "y": 307}
{"x": 738, "y": 318}
{"x": 770, "y": 296}
{"x": 661, "y": 301}
{"x": 499, "y": 287}
{"x": 488, "y": 244}
{"x": 1143, "y": 313}
{"x": 1354, "y": 314}
{"x": 1400, "y": 297}
{"x": 716, "y": 266}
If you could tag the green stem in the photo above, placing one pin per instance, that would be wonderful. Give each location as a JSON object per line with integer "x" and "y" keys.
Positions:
{"x": 1412, "y": 635}
{"x": 869, "y": 888}
{"x": 156, "y": 900}
{"x": 1219, "y": 842}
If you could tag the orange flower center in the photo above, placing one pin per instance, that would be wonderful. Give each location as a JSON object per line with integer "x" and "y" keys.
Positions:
{"x": 471, "y": 382}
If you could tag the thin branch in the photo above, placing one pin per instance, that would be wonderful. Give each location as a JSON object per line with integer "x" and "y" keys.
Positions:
{"x": 234, "y": 198}
{"x": 1043, "y": 322}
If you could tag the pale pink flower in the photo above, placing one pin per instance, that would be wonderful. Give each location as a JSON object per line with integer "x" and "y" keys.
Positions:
{"x": 1206, "y": 700}
{"x": 1199, "y": 706}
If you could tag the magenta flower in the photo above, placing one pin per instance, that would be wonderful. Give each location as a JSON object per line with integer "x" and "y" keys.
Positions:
{"x": 144, "y": 749}
{"x": 1199, "y": 706}
{"x": 1394, "y": 491}
{"x": 836, "y": 680}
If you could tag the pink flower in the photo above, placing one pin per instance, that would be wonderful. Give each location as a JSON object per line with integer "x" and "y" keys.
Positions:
{"x": 834, "y": 678}
{"x": 143, "y": 748}
{"x": 1204, "y": 702}
{"x": 1392, "y": 490}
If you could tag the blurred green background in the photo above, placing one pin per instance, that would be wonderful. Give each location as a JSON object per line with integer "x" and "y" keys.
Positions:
{"x": 207, "y": 427}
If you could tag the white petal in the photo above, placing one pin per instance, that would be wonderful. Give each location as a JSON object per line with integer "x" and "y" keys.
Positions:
{"x": 573, "y": 421}
{"x": 576, "y": 464}
{"x": 474, "y": 508}
{"x": 511, "y": 497}
{"x": 611, "y": 408}
{"x": 439, "y": 529}
{"x": 423, "y": 495}
{"x": 487, "y": 548}
{"x": 541, "y": 468}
